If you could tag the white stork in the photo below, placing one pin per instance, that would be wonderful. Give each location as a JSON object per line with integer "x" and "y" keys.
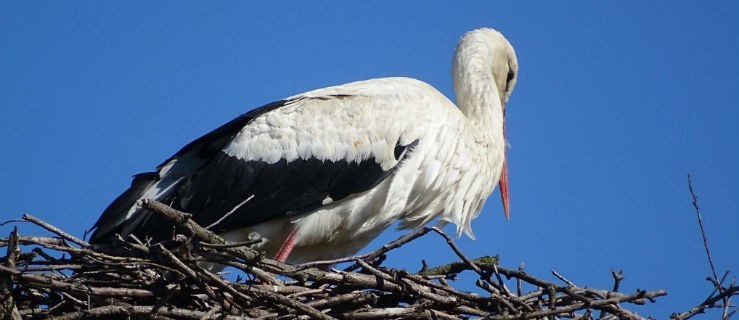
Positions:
{"x": 320, "y": 174}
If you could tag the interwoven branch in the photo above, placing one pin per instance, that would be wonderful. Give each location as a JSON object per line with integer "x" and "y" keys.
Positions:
{"x": 170, "y": 280}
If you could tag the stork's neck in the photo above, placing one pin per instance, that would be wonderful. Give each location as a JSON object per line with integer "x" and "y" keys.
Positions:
{"x": 477, "y": 94}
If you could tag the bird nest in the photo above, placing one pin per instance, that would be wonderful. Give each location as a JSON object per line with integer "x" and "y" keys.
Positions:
{"x": 167, "y": 280}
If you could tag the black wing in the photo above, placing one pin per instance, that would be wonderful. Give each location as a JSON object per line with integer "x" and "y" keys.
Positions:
{"x": 225, "y": 193}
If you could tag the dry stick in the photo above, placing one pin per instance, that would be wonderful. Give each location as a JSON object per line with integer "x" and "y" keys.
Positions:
{"x": 137, "y": 311}
{"x": 519, "y": 283}
{"x": 172, "y": 288}
{"x": 560, "y": 277}
{"x": 262, "y": 275}
{"x": 56, "y": 230}
{"x": 732, "y": 285}
{"x": 86, "y": 252}
{"x": 703, "y": 231}
{"x": 402, "y": 284}
{"x": 230, "y": 244}
{"x": 293, "y": 304}
{"x": 11, "y": 221}
{"x": 498, "y": 297}
{"x": 8, "y": 308}
{"x": 727, "y": 292}
{"x": 136, "y": 246}
{"x": 201, "y": 275}
{"x": 284, "y": 290}
{"x": 321, "y": 291}
{"x": 397, "y": 243}
{"x": 423, "y": 298}
{"x": 500, "y": 280}
{"x": 556, "y": 288}
{"x": 380, "y": 252}
{"x": 183, "y": 220}
{"x": 705, "y": 243}
{"x": 174, "y": 261}
{"x": 617, "y": 277}
{"x": 716, "y": 284}
{"x": 26, "y": 240}
{"x": 457, "y": 296}
{"x": 49, "y": 282}
{"x": 182, "y": 268}
{"x": 459, "y": 266}
{"x": 459, "y": 253}
{"x": 533, "y": 295}
{"x": 211, "y": 314}
{"x": 53, "y": 267}
{"x": 462, "y": 297}
{"x": 470, "y": 297}
{"x": 469, "y": 310}
{"x": 75, "y": 300}
{"x": 393, "y": 313}
{"x": 597, "y": 304}
{"x": 471, "y": 264}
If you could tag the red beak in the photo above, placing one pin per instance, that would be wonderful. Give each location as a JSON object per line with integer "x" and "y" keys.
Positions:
{"x": 503, "y": 187}
{"x": 503, "y": 183}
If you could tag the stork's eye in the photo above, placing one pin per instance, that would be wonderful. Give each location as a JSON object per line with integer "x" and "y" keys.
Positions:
{"x": 508, "y": 79}
{"x": 511, "y": 74}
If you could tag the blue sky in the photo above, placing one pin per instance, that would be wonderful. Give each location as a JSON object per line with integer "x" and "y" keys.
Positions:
{"x": 617, "y": 101}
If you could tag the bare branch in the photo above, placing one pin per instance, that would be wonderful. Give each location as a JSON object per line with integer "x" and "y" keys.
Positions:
{"x": 732, "y": 290}
{"x": 55, "y": 230}
{"x": 169, "y": 280}
{"x": 703, "y": 230}
{"x": 718, "y": 284}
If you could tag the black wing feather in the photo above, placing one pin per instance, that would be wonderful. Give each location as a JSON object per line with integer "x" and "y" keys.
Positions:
{"x": 112, "y": 220}
{"x": 216, "y": 191}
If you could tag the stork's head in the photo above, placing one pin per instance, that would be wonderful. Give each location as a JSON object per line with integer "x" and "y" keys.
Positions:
{"x": 505, "y": 67}
{"x": 484, "y": 56}
{"x": 485, "y": 52}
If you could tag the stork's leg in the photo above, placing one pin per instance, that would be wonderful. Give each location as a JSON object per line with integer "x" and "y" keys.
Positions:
{"x": 287, "y": 246}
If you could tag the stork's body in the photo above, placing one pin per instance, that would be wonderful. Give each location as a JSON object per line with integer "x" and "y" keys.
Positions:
{"x": 328, "y": 170}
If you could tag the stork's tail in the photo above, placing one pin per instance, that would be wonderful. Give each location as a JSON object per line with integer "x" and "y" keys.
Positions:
{"x": 114, "y": 218}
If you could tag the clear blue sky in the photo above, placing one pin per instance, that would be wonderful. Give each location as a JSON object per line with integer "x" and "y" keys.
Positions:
{"x": 617, "y": 101}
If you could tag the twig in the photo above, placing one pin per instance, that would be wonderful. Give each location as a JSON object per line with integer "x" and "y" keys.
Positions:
{"x": 617, "y": 277}
{"x": 167, "y": 280}
{"x": 183, "y": 220}
{"x": 519, "y": 283}
{"x": 54, "y": 229}
{"x": 230, "y": 244}
{"x": 459, "y": 253}
{"x": 142, "y": 311}
{"x": 11, "y": 221}
{"x": 374, "y": 254}
{"x": 8, "y": 308}
{"x": 560, "y": 277}
{"x": 703, "y": 231}
{"x": 708, "y": 303}
{"x": 705, "y": 245}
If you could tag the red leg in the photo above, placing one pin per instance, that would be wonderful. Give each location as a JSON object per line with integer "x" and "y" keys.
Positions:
{"x": 287, "y": 246}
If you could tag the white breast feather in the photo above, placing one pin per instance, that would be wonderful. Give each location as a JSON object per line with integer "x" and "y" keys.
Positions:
{"x": 443, "y": 176}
